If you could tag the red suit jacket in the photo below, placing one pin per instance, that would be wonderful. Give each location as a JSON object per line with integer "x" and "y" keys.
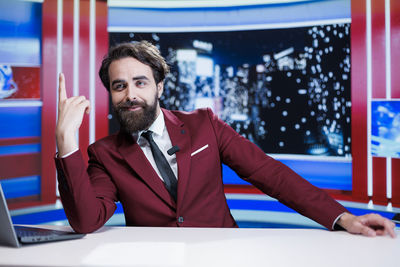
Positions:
{"x": 119, "y": 171}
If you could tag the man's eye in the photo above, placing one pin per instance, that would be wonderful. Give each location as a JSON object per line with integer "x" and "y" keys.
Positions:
{"x": 118, "y": 87}
{"x": 140, "y": 83}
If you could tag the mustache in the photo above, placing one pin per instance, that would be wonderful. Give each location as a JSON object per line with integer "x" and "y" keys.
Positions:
{"x": 131, "y": 103}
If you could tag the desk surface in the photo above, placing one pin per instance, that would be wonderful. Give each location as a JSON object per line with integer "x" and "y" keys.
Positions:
{"x": 145, "y": 246}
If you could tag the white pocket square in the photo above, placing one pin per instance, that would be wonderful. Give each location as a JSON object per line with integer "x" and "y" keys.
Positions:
{"x": 199, "y": 150}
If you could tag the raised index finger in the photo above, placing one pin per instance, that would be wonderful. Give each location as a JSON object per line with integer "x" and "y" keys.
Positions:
{"x": 62, "y": 93}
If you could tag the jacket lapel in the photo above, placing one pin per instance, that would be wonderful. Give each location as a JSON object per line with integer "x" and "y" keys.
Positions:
{"x": 180, "y": 136}
{"x": 136, "y": 159}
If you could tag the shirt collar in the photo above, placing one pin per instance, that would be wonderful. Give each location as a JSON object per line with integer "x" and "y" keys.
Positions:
{"x": 158, "y": 125}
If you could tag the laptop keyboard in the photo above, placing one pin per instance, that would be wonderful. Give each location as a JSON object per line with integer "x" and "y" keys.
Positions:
{"x": 29, "y": 232}
{"x": 34, "y": 235}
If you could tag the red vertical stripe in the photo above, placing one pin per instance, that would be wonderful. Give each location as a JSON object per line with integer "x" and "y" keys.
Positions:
{"x": 101, "y": 50}
{"x": 359, "y": 99}
{"x": 84, "y": 62}
{"x": 49, "y": 97}
{"x": 68, "y": 45}
{"x": 378, "y": 49}
{"x": 378, "y": 90}
{"x": 396, "y": 182}
{"x": 379, "y": 181}
{"x": 395, "y": 55}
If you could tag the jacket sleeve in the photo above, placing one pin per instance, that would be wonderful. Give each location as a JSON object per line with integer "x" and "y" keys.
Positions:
{"x": 88, "y": 194}
{"x": 273, "y": 177}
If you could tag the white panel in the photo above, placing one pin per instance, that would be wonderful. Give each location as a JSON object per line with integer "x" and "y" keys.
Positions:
{"x": 388, "y": 91}
{"x": 369, "y": 97}
{"x": 92, "y": 77}
{"x": 241, "y": 27}
{"x": 76, "y": 49}
{"x": 75, "y": 86}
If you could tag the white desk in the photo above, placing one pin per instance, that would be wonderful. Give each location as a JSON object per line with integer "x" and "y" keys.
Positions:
{"x": 140, "y": 246}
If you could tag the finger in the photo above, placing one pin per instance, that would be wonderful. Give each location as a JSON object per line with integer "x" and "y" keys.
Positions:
{"x": 365, "y": 230}
{"x": 389, "y": 228}
{"x": 376, "y": 221}
{"x": 380, "y": 232}
{"x": 373, "y": 220}
{"x": 76, "y": 100}
{"x": 385, "y": 231}
{"x": 88, "y": 107}
{"x": 62, "y": 92}
{"x": 84, "y": 105}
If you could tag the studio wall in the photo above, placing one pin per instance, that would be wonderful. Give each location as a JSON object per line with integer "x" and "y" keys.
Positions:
{"x": 64, "y": 34}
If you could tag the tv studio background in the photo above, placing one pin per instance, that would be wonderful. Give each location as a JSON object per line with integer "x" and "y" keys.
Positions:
{"x": 312, "y": 83}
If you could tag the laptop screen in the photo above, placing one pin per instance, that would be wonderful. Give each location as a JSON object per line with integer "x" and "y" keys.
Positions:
{"x": 7, "y": 232}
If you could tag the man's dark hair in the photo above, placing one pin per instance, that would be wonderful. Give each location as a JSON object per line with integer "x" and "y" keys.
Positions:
{"x": 143, "y": 51}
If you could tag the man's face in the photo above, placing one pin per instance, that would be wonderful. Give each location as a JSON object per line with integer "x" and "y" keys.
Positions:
{"x": 134, "y": 94}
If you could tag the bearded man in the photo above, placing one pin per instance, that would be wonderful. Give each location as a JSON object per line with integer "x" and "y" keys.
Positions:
{"x": 165, "y": 167}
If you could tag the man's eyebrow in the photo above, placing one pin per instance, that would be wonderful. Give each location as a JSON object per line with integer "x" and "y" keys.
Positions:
{"x": 142, "y": 77}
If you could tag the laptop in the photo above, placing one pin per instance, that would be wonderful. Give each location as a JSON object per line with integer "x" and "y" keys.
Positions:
{"x": 17, "y": 236}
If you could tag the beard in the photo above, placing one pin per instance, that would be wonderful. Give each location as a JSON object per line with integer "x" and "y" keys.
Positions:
{"x": 139, "y": 120}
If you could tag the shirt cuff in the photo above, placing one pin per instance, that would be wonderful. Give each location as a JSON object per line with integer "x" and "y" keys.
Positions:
{"x": 68, "y": 154}
{"x": 334, "y": 227}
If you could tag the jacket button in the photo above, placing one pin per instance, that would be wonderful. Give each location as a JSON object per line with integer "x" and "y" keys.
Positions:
{"x": 180, "y": 219}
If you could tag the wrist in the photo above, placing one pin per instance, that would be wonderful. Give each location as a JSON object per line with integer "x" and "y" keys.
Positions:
{"x": 66, "y": 143}
{"x": 345, "y": 219}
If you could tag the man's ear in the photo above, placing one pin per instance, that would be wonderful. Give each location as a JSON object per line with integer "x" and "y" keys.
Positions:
{"x": 160, "y": 89}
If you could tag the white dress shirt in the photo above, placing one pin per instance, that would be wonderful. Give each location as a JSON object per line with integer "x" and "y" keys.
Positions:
{"x": 161, "y": 137}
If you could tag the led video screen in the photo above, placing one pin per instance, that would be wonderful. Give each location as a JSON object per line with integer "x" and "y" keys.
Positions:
{"x": 385, "y": 127}
{"x": 287, "y": 90}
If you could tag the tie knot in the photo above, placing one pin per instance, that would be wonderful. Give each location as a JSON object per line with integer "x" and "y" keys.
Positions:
{"x": 148, "y": 135}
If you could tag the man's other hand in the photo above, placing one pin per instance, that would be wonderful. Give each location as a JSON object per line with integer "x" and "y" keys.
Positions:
{"x": 368, "y": 225}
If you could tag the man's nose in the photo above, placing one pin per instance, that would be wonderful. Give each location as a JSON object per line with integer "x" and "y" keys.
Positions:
{"x": 131, "y": 93}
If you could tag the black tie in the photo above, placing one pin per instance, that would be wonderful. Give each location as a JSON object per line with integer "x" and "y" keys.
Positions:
{"x": 163, "y": 166}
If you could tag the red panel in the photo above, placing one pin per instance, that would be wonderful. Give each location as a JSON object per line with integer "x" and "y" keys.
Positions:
{"x": 242, "y": 189}
{"x": 49, "y": 98}
{"x": 101, "y": 50}
{"x": 24, "y": 202}
{"x": 395, "y": 53}
{"x": 378, "y": 90}
{"x": 68, "y": 45}
{"x": 379, "y": 182}
{"x": 19, "y": 141}
{"x": 20, "y": 165}
{"x": 28, "y": 82}
{"x": 84, "y": 51}
{"x": 395, "y": 47}
{"x": 359, "y": 100}
{"x": 378, "y": 49}
{"x": 396, "y": 182}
